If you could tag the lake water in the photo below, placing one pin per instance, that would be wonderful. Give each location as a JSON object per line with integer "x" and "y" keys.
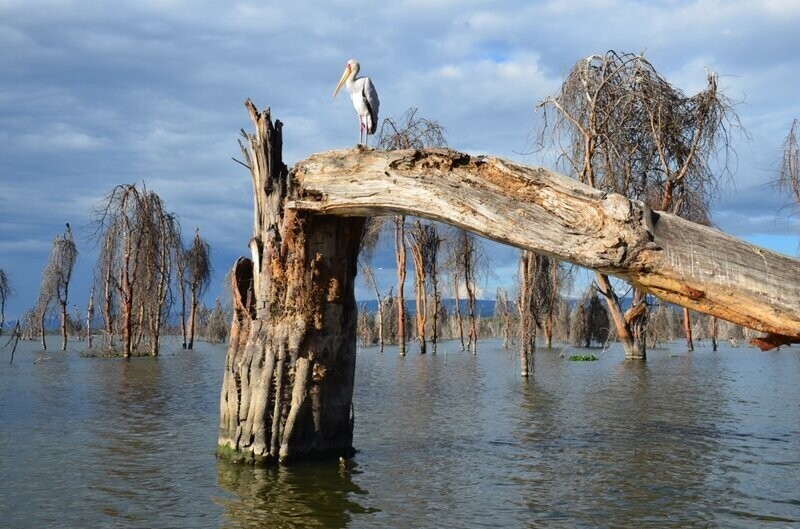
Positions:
{"x": 687, "y": 439}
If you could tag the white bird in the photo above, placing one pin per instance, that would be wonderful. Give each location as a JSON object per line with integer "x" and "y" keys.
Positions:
{"x": 364, "y": 96}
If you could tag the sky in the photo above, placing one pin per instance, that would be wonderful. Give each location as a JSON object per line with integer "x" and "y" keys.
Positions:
{"x": 95, "y": 94}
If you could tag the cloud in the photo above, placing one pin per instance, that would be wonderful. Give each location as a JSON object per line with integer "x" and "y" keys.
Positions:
{"x": 153, "y": 91}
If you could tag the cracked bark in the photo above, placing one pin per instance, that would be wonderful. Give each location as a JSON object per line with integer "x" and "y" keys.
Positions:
{"x": 288, "y": 382}
{"x": 536, "y": 209}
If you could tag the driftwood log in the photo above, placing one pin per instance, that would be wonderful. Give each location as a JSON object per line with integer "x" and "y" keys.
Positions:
{"x": 533, "y": 208}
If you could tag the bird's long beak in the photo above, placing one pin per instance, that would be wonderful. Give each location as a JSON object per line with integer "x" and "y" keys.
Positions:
{"x": 345, "y": 75}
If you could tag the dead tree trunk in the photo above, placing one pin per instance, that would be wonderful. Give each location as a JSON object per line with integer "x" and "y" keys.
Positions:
{"x": 551, "y": 306}
{"x": 527, "y": 325}
{"x": 190, "y": 327}
{"x": 459, "y": 320}
{"x": 41, "y": 330}
{"x": 676, "y": 260}
{"x": 89, "y": 315}
{"x": 371, "y": 280}
{"x": 288, "y": 383}
{"x": 63, "y": 305}
{"x": 400, "y": 254}
{"x": 714, "y": 333}
{"x": 687, "y": 329}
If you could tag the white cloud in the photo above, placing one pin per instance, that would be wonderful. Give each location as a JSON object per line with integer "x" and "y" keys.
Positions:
{"x": 153, "y": 90}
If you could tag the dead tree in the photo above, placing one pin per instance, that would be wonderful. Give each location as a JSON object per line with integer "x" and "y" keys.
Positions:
{"x": 197, "y": 264}
{"x": 372, "y": 231}
{"x": 400, "y": 256}
{"x": 423, "y": 242}
{"x": 788, "y": 180}
{"x": 502, "y": 308}
{"x": 55, "y": 283}
{"x": 5, "y": 291}
{"x": 410, "y": 131}
{"x": 89, "y": 316}
{"x": 535, "y": 284}
{"x": 162, "y": 246}
{"x": 180, "y": 281}
{"x": 61, "y": 263}
{"x": 625, "y": 129}
{"x": 467, "y": 261}
{"x": 138, "y": 237}
{"x": 431, "y": 264}
{"x": 288, "y": 383}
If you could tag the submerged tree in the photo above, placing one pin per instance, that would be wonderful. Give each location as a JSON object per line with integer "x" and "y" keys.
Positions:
{"x": 400, "y": 255}
{"x": 5, "y": 291}
{"x": 423, "y": 242}
{"x": 623, "y": 128}
{"x": 138, "y": 238}
{"x": 535, "y": 297}
{"x": 197, "y": 262}
{"x": 55, "y": 283}
{"x": 410, "y": 131}
{"x": 369, "y": 242}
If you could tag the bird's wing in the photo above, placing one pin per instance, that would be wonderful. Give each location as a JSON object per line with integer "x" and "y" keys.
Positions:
{"x": 373, "y": 104}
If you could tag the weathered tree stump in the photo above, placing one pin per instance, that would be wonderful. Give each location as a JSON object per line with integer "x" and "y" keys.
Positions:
{"x": 288, "y": 383}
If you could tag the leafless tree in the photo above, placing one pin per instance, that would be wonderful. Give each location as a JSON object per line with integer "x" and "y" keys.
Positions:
{"x": 198, "y": 276}
{"x": 621, "y": 127}
{"x": 55, "y": 283}
{"x": 400, "y": 256}
{"x": 5, "y": 291}
{"x": 788, "y": 181}
{"x": 216, "y": 328}
{"x": 375, "y": 226}
{"x": 535, "y": 296}
{"x": 138, "y": 239}
{"x": 423, "y": 242}
{"x": 410, "y": 131}
{"x": 502, "y": 309}
{"x": 89, "y": 316}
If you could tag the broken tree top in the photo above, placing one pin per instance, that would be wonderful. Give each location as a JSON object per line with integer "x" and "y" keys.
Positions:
{"x": 533, "y": 208}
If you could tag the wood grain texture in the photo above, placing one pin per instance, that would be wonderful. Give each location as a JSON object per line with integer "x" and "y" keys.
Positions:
{"x": 533, "y": 208}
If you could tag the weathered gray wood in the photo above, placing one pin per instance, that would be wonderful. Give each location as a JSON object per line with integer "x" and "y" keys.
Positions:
{"x": 536, "y": 209}
{"x": 288, "y": 384}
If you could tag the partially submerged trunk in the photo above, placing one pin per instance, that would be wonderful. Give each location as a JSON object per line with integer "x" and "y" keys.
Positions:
{"x": 89, "y": 315}
{"x": 192, "y": 313}
{"x": 459, "y": 320}
{"x": 63, "y": 325}
{"x": 659, "y": 253}
{"x": 41, "y": 330}
{"x": 400, "y": 255}
{"x": 288, "y": 383}
{"x": 527, "y": 321}
{"x": 371, "y": 279}
{"x": 713, "y": 333}
{"x": 687, "y": 329}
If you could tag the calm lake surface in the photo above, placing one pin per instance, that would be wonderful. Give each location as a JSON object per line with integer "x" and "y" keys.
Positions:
{"x": 688, "y": 439}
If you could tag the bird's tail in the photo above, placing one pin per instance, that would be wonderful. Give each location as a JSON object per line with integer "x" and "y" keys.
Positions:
{"x": 372, "y": 125}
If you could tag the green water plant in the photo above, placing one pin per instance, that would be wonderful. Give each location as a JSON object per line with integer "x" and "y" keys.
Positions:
{"x": 582, "y": 358}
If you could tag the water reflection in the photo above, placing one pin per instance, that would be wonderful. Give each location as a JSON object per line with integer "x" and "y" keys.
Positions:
{"x": 310, "y": 495}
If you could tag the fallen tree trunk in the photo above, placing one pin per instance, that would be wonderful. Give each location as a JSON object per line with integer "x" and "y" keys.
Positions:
{"x": 536, "y": 209}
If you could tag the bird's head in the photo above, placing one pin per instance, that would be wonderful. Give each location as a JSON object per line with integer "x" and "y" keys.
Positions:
{"x": 350, "y": 69}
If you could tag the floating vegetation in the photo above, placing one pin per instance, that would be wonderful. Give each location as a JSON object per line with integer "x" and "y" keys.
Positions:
{"x": 582, "y": 358}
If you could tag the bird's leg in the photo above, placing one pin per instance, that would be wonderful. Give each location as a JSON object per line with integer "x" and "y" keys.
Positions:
{"x": 360, "y": 128}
